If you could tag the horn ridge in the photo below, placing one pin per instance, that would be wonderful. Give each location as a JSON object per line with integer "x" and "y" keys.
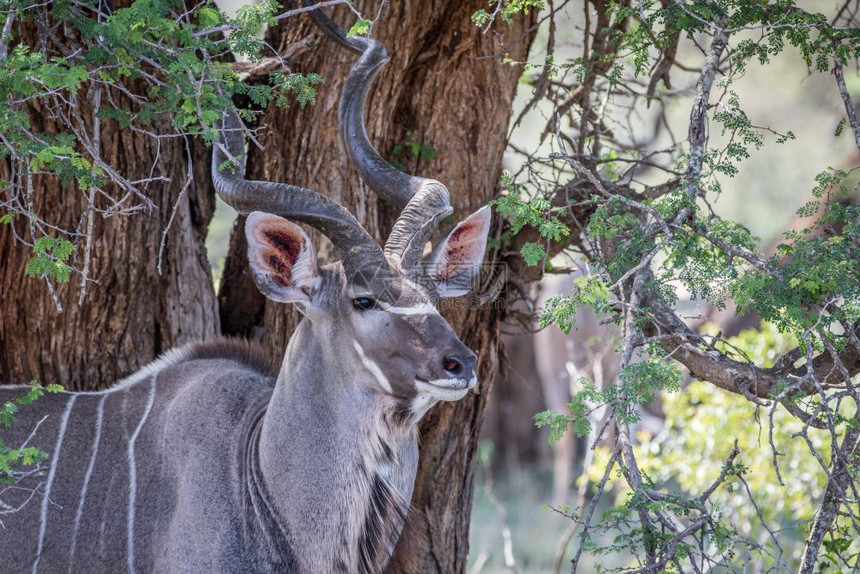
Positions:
{"x": 282, "y": 199}
{"x": 335, "y": 32}
{"x": 416, "y": 223}
{"x": 384, "y": 179}
{"x": 425, "y": 201}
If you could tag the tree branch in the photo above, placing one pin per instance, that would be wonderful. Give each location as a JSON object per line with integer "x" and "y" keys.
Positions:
{"x": 846, "y": 96}
{"x": 743, "y": 378}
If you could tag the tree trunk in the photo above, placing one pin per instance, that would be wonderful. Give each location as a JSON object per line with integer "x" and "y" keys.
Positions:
{"x": 133, "y": 313}
{"x": 445, "y": 87}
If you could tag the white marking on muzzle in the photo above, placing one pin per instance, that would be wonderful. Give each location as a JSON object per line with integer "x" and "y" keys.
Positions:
{"x": 431, "y": 392}
{"x": 373, "y": 368}
{"x": 446, "y": 389}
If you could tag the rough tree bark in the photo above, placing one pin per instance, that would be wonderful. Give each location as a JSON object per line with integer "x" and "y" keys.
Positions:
{"x": 447, "y": 86}
{"x": 133, "y": 314}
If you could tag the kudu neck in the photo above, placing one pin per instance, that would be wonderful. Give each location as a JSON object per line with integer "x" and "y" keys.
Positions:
{"x": 340, "y": 473}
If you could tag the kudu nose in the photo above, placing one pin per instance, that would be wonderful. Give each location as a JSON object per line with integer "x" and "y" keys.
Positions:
{"x": 459, "y": 365}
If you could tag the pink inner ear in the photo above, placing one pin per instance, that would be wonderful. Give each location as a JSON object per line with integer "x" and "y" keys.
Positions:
{"x": 281, "y": 269}
{"x": 285, "y": 251}
{"x": 282, "y": 261}
{"x": 465, "y": 247}
{"x": 465, "y": 238}
{"x": 289, "y": 244}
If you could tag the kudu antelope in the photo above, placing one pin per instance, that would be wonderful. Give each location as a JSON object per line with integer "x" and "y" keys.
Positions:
{"x": 203, "y": 461}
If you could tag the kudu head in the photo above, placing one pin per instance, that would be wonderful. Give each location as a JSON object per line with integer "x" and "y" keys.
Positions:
{"x": 375, "y": 306}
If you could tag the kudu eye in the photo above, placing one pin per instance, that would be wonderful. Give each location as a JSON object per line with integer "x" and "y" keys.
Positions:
{"x": 363, "y": 303}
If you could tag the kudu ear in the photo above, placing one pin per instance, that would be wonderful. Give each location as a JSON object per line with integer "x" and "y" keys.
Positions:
{"x": 282, "y": 258}
{"x": 456, "y": 262}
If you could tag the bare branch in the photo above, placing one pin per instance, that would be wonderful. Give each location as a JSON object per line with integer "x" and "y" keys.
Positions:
{"x": 850, "y": 108}
{"x": 697, "y": 134}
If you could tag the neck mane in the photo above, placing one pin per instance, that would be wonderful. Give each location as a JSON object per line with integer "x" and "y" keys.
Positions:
{"x": 329, "y": 469}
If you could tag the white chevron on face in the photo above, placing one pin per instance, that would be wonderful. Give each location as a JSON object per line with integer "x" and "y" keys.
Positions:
{"x": 371, "y": 366}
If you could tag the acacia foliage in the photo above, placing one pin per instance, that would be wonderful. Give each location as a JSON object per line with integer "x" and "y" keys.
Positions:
{"x": 638, "y": 220}
{"x": 17, "y": 462}
{"x": 415, "y": 33}
{"x": 159, "y": 61}
{"x": 161, "y": 68}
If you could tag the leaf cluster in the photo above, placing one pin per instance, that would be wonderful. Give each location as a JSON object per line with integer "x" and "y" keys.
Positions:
{"x": 536, "y": 212}
{"x": 506, "y": 10}
{"x": 815, "y": 268}
{"x": 638, "y": 384}
{"x": 50, "y": 259}
{"x": 15, "y": 461}
{"x": 412, "y": 148}
{"x": 159, "y": 67}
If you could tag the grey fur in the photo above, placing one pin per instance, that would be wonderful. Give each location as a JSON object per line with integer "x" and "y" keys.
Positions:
{"x": 205, "y": 461}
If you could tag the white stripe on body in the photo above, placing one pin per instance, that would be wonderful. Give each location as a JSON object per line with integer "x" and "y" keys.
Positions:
{"x": 171, "y": 357}
{"x": 87, "y": 476}
{"x": 46, "y": 500}
{"x": 132, "y": 476}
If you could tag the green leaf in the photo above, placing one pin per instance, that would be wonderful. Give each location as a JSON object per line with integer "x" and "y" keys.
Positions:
{"x": 556, "y": 422}
{"x": 8, "y": 410}
{"x": 360, "y": 28}
{"x": 533, "y": 253}
{"x": 481, "y": 18}
{"x": 208, "y": 17}
{"x": 300, "y": 86}
{"x": 840, "y": 127}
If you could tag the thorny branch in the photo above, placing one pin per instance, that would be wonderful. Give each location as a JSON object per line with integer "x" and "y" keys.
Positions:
{"x": 81, "y": 113}
{"x": 850, "y": 108}
{"x": 18, "y": 477}
{"x": 814, "y": 382}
